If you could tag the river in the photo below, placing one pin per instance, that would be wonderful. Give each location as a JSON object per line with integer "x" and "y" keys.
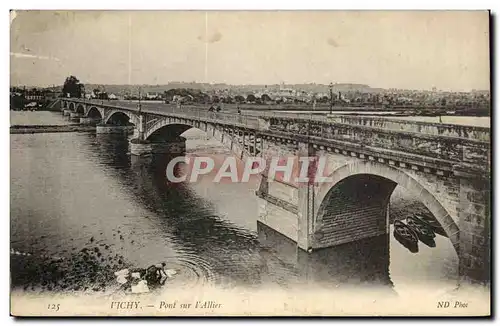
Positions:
{"x": 81, "y": 209}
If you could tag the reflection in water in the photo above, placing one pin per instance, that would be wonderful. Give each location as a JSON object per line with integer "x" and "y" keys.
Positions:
{"x": 191, "y": 220}
{"x": 358, "y": 263}
{"x": 100, "y": 210}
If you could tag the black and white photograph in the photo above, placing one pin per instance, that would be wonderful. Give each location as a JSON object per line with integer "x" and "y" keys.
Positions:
{"x": 250, "y": 163}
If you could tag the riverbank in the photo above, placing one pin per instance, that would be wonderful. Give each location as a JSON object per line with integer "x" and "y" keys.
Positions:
{"x": 35, "y": 129}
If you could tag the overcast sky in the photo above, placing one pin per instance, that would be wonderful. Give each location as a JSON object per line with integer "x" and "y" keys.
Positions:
{"x": 413, "y": 50}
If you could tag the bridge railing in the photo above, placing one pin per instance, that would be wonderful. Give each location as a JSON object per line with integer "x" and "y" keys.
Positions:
{"x": 291, "y": 115}
{"x": 428, "y": 128}
{"x": 247, "y": 121}
{"x": 219, "y": 117}
{"x": 475, "y": 153}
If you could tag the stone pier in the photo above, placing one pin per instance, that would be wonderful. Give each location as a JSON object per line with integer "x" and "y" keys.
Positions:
{"x": 66, "y": 112}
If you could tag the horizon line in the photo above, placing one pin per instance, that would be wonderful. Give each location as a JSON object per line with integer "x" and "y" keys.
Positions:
{"x": 261, "y": 84}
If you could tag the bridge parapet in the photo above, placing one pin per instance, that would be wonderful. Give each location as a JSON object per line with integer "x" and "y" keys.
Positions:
{"x": 436, "y": 129}
{"x": 251, "y": 122}
{"x": 429, "y": 128}
{"x": 470, "y": 153}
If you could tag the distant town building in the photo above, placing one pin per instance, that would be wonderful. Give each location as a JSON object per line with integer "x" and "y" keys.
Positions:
{"x": 153, "y": 95}
{"x": 34, "y": 96}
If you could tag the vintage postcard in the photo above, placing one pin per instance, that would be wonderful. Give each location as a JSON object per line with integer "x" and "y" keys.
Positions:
{"x": 250, "y": 163}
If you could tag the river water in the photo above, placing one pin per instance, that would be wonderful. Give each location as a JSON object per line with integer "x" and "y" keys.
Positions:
{"x": 81, "y": 209}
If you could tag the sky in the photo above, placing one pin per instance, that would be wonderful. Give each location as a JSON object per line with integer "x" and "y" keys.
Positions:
{"x": 448, "y": 50}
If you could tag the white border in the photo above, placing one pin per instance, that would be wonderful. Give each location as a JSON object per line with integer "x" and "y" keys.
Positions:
{"x": 199, "y": 5}
{"x": 258, "y": 5}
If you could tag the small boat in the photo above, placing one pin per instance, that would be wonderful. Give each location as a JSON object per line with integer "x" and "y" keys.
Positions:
{"x": 433, "y": 223}
{"x": 424, "y": 231}
{"x": 406, "y": 236}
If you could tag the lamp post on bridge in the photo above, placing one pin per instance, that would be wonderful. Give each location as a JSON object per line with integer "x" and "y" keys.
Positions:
{"x": 331, "y": 97}
{"x": 140, "y": 105}
{"x": 141, "y": 124}
{"x": 101, "y": 93}
{"x": 84, "y": 95}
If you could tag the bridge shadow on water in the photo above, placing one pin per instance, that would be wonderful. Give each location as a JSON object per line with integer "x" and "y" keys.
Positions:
{"x": 359, "y": 263}
{"x": 237, "y": 256}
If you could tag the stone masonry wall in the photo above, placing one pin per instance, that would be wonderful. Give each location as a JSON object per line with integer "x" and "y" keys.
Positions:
{"x": 475, "y": 229}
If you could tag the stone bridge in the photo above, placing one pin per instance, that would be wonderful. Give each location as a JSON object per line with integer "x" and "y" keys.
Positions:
{"x": 447, "y": 167}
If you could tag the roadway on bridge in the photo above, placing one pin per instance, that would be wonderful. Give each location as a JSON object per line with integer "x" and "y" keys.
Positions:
{"x": 161, "y": 107}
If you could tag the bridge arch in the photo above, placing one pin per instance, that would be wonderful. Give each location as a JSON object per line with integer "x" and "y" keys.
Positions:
{"x": 171, "y": 129}
{"x": 120, "y": 117}
{"x": 94, "y": 113}
{"x": 162, "y": 130}
{"x": 80, "y": 109}
{"x": 370, "y": 186}
{"x": 72, "y": 106}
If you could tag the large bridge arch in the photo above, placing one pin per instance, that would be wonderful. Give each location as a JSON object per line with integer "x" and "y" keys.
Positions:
{"x": 71, "y": 106}
{"x": 373, "y": 182}
{"x": 121, "y": 117}
{"x": 165, "y": 131}
{"x": 231, "y": 138}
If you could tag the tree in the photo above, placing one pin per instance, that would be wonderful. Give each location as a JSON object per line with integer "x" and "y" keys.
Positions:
{"x": 239, "y": 99}
{"x": 103, "y": 96}
{"x": 251, "y": 98}
{"x": 73, "y": 87}
{"x": 17, "y": 102}
{"x": 323, "y": 99}
{"x": 266, "y": 98}
{"x": 228, "y": 100}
